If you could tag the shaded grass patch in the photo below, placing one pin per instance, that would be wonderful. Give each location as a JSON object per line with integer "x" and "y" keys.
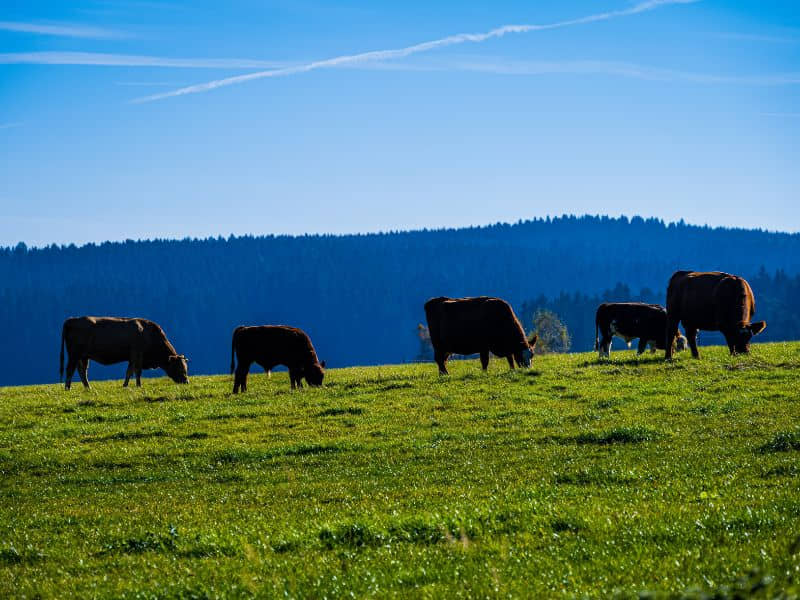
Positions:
{"x": 619, "y": 435}
{"x": 782, "y": 442}
{"x": 335, "y": 412}
{"x": 246, "y": 456}
{"x": 127, "y": 436}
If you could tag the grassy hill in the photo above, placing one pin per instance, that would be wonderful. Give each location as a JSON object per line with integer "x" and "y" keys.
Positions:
{"x": 573, "y": 478}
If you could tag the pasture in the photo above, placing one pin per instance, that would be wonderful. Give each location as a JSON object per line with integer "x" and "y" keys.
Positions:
{"x": 575, "y": 478}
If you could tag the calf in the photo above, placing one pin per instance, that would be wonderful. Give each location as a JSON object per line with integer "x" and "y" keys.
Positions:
{"x": 631, "y": 320}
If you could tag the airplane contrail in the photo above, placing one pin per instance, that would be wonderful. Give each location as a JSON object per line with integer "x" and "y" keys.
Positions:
{"x": 377, "y": 55}
{"x": 67, "y": 30}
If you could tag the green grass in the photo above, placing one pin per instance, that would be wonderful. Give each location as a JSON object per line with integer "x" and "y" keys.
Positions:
{"x": 575, "y": 478}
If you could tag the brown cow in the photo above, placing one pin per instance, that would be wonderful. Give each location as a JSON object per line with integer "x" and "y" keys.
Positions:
{"x": 273, "y": 345}
{"x": 712, "y": 302}
{"x": 631, "y": 320}
{"x": 476, "y": 326}
{"x": 110, "y": 340}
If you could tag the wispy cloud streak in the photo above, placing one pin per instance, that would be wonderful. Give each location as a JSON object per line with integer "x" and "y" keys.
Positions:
{"x": 756, "y": 37}
{"x": 11, "y": 125}
{"x": 382, "y": 55}
{"x": 620, "y": 69}
{"x": 132, "y": 60}
{"x": 62, "y": 30}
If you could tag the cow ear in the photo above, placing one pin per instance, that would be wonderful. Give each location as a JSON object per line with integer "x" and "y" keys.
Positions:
{"x": 757, "y": 327}
{"x": 533, "y": 340}
{"x": 322, "y": 364}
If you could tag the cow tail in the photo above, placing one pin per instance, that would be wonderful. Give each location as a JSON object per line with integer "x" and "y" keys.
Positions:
{"x": 596, "y": 334}
{"x": 61, "y": 357}
{"x": 233, "y": 352}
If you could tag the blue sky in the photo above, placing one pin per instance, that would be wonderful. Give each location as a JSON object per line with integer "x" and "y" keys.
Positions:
{"x": 663, "y": 108}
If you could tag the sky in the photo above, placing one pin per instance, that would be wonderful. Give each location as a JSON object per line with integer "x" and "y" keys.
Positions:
{"x": 144, "y": 119}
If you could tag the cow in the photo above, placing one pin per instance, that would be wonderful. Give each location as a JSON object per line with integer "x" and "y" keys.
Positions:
{"x": 631, "y": 320}
{"x": 110, "y": 340}
{"x": 476, "y": 326}
{"x": 712, "y": 301}
{"x": 273, "y": 345}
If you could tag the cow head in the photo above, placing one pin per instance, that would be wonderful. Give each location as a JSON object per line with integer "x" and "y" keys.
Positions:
{"x": 315, "y": 373}
{"x": 681, "y": 343}
{"x": 525, "y": 356}
{"x": 177, "y": 368}
{"x": 741, "y": 342}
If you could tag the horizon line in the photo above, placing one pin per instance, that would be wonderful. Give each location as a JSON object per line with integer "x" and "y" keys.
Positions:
{"x": 378, "y": 232}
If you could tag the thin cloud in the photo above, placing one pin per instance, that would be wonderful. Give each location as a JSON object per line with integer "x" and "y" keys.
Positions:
{"x": 620, "y": 69}
{"x": 146, "y": 83}
{"x": 756, "y": 37}
{"x": 131, "y": 60}
{"x": 11, "y": 125}
{"x": 379, "y": 55}
{"x": 62, "y": 30}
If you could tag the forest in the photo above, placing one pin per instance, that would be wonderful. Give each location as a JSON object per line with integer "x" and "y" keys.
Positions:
{"x": 360, "y": 297}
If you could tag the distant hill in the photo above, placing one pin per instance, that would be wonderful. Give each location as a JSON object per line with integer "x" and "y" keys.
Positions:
{"x": 360, "y": 297}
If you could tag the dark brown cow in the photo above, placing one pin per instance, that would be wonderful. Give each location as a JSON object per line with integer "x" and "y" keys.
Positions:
{"x": 631, "y": 320}
{"x": 476, "y": 326}
{"x": 273, "y": 345}
{"x": 110, "y": 340}
{"x": 712, "y": 302}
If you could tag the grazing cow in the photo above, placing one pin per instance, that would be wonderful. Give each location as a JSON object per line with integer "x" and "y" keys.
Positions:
{"x": 712, "y": 302}
{"x": 631, "y": 320}
{"x": 273, "y": 345}
{"x": 476, "y": 326}
{"x": 110, "y": 340}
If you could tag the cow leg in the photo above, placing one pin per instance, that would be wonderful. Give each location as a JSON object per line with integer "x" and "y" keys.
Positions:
{"x": 137, "y": 368}
{"x": 71, "y": 364}
{"x": 484, "y": 360}
{"x": 642, "y": 346}
{"x": 671, "y": 333}
{"x": 236, "y": 383}
{"x": 83, "y": 372}
{"x": 730, "y": 342}
{"x": 128, "y": 374}
{"x": 604, "y": 349}
{"x": 296, "y": 378}
{"x": 691, "y": 337}
{"x": 240, "y": 376}
{"x": 510, "y": 360}
{"x": 441, "y": 360}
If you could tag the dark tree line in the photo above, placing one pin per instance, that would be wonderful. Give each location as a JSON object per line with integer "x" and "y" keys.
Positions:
{"x": 360, "y": 296}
